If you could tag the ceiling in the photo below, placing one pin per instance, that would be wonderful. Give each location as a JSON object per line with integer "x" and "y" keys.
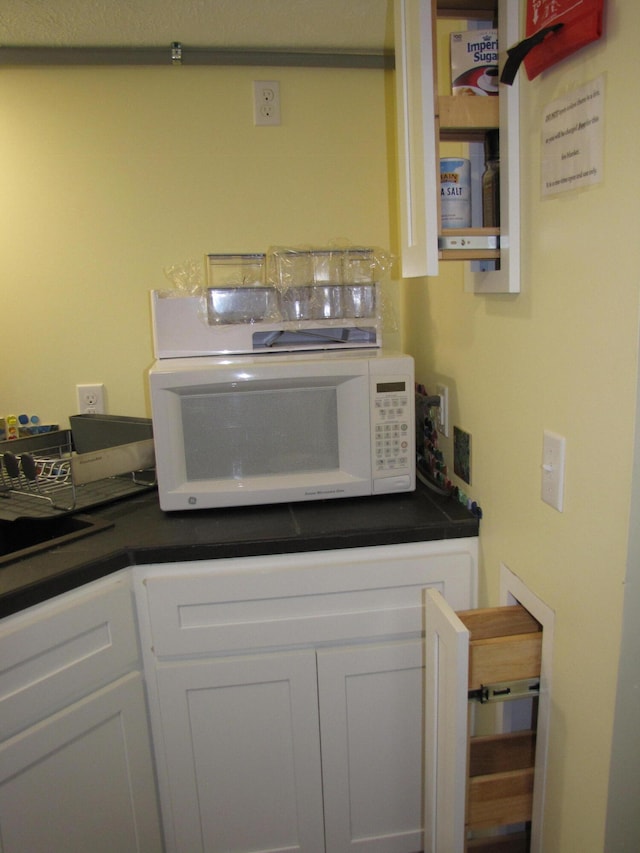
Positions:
{"x": 298, "y": 24}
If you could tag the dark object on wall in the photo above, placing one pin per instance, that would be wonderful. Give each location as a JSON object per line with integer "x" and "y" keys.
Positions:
{"x": 582, "y": 24}
{"x": 554, "y": 30}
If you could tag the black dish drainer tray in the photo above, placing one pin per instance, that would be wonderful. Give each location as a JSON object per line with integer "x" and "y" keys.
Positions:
{"x": 37, "y": 479}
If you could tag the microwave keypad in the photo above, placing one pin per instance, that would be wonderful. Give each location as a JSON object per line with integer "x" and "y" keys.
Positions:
{"x": 391, "y": 433}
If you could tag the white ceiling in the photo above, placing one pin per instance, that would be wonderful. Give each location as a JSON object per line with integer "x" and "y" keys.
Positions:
{"x": 339, "y": 24}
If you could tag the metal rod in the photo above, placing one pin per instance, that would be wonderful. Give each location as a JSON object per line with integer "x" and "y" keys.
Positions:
{"x": 177, "y": 54}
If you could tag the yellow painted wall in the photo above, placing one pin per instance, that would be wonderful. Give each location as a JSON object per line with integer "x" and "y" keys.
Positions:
{"x": 109, "y": 175}
{"x": 561, "y": 355}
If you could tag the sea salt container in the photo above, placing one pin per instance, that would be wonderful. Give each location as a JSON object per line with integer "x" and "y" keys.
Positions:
{"x": 455, "y": 192}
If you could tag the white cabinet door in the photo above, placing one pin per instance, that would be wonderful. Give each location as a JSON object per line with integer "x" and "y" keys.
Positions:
{"x": 55, "y": 653}
{"x": 371, "y": 733}
{"x": 81, "y": 781}
{"x": 446, "y": 693}
{"x": 418, "y": 169}
{"x": 241, "y": 740}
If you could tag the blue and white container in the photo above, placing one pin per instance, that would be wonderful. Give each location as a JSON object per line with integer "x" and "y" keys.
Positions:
{"x": 455, "y": 192}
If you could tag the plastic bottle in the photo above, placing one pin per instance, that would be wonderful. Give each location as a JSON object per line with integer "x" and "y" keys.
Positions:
{"x": 491, "y": 181}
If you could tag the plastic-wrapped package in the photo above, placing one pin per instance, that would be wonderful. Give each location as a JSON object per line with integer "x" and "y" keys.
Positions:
{"x": 186, "y": 278}
{"x": 305, "y": 298}
{"x": 237, "y": 291}
{"x": 327, "y": 283}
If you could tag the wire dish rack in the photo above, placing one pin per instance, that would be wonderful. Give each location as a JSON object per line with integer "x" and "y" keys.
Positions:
{"x": 46, "y": 479}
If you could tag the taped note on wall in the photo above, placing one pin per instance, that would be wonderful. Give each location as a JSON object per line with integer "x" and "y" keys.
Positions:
{"x": 572, "y": 153}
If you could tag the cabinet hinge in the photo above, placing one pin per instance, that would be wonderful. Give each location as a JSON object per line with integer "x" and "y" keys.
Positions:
{"x": 505, "y": 690}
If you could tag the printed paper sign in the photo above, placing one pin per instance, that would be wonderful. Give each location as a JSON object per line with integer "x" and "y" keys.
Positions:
{"x": 573, "y": 140}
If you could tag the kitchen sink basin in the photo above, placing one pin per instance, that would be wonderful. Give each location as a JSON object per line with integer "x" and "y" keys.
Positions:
{"x": 26, "y": 536}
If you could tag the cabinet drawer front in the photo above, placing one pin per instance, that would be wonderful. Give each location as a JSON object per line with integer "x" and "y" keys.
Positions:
{"x": 505, "y": 645}
{"x": 62, "y": 650}
{"x": 504, "y": 659}
{"x": 302, "y": 599}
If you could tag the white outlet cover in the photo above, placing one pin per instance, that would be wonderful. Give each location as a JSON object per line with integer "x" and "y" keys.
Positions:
{"x": 553, "y": 457}
{"x": 266, "y": 103}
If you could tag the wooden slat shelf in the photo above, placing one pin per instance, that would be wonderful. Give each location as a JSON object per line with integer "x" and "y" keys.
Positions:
{"x": 499, "y": 752}
{"x": 515, "y": 842}
{"x": 471, "y": 254}
{"x": 479, "y": 9}
{"x": 467, "y": 116}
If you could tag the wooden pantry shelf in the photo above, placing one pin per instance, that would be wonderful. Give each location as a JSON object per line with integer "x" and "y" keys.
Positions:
{"x": 463, "y": 254}
{"x": 478, "y": 9}
{"x": 467, "y": 117}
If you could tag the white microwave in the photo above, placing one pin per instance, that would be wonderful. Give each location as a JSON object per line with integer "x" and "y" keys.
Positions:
{"x": 243, "y": 430}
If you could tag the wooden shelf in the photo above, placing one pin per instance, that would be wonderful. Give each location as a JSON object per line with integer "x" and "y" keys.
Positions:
{"x": 516, "y": 842}
{"x": 467, "y": 117}
{"x": 501, "y": 770}
{"x": 470, "y": 254}
{"x": 479, "y": 9}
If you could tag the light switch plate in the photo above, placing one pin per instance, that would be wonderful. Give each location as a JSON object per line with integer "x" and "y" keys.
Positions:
{"x": 553, "y": 456}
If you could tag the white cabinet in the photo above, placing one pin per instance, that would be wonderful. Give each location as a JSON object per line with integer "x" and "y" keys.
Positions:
{"x": 371, "y": 733}
{"x": 286, "y": 695}
{"x": 424, "y": 117}
{"x": 76, "y": 771}
{"x": 243, "y": 752}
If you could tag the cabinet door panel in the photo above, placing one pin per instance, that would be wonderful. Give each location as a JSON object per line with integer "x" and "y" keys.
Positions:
{"x": 371, "y": 732}
{"x": 55, "y": 653}
{"x": 446, "y": 686}
{"x": 418, "y": 170}
{"x": 82, "y": 780}
{"x": 243, "y": 753}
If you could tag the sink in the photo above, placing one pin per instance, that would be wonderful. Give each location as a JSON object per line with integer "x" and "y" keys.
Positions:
{"x": 26, "y": 536}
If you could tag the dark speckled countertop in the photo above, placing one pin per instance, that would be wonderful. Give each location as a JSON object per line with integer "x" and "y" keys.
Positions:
{"x": 142, "y": 534}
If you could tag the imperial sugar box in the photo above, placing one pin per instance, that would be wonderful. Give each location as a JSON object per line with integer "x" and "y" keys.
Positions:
{"x": 474, "y": 62}
{"x": 455, "y": 192}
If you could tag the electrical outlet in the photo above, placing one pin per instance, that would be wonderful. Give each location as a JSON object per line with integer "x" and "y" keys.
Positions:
{"x": 91, "y": 399}
{"x": 266, "y": 102}
{"x": 442, "y": 424}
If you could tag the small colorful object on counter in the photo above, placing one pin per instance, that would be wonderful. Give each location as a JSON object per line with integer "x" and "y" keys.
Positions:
{"x": 12, "y": 427}
{"x": 23, "y": 425}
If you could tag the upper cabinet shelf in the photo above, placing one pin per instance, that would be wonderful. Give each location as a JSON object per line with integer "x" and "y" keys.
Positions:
{"x": 425, "y": 118}
{"x": 467, "y": 8}
{"x": 467, "y": 119}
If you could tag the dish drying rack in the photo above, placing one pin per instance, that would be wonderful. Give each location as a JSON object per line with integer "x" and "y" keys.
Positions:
{"x": 42, "y": 479}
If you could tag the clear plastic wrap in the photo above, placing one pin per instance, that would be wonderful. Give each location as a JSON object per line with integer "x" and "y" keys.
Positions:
{"x": 237, "y": 291}
{"x": 286, "y": 298}
{"x": 186, "y": 278}
{"x": 335, "y": 283}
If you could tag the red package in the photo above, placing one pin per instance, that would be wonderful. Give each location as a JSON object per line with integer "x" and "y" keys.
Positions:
{"x": 581, "y": 24}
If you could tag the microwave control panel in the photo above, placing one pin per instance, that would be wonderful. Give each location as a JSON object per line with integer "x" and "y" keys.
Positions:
{"x": 392, "y": 423}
